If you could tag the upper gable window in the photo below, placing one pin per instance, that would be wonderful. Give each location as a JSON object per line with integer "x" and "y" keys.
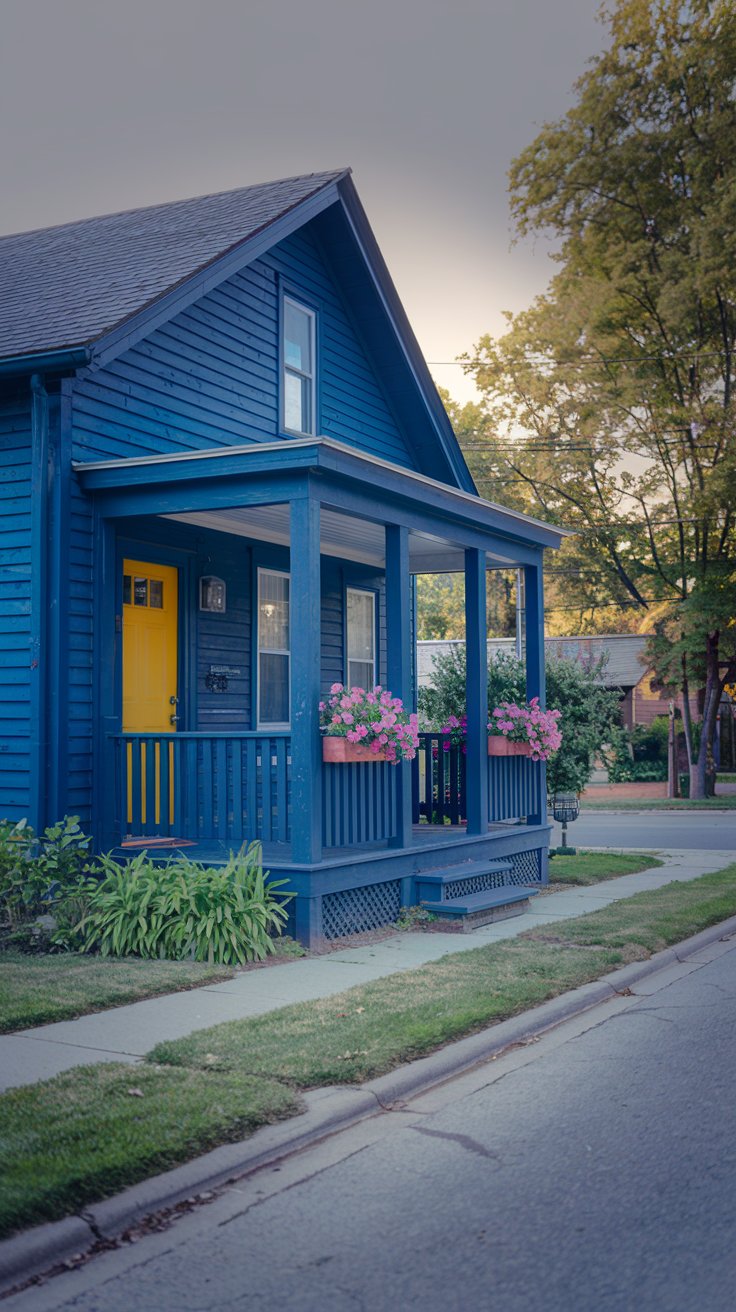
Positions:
{"x": 299, "y": 372}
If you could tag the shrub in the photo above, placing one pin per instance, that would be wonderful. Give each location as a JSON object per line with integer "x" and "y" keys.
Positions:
{"x": 34, "y": 871}
{"x": 588, "y": 710}
{"x": 182, "y": 909}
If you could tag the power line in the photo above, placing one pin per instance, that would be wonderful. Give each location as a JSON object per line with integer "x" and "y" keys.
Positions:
{"x": 579, "y": 364}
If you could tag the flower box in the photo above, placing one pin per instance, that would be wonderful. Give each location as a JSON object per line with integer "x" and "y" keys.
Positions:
{"x": 498, "y": 745}
{"x": 340, "y": 750}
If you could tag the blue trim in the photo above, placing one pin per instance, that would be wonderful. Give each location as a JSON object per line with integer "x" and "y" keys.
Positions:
{"x": 46, "y": 362}
{"x": 39, "y": 602}
{"x": 476, "y": 761}
{"x": 398, "y": 659}
{"x": 306, "y": 639}
{"x": 535, "y": 676}
{"x": 59, "y": 671}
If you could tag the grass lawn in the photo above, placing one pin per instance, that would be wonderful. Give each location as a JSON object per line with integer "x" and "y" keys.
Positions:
{"x": 84, "y": 1135}
{"x": 35, "y": 990}
{"x": 592, "y": 867}
{"x": 726, "y": 803}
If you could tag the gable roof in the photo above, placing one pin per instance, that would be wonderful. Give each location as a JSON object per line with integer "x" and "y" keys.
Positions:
{"x": 80, "y": 294}
{"x": 71, "y": 285}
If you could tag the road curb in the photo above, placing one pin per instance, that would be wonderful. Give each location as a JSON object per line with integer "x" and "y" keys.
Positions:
{"x": 328, "y": 1111}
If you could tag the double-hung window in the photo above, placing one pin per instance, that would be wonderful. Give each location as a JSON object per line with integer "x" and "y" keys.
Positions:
{"x": 299, "y": 367}
{"x": 361, "y": 638}
{"x": 274, "y": 650}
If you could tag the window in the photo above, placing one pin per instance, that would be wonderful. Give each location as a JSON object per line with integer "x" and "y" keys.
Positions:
{"x": 274, "y": 658}
{"x": 298, "y": 386}
{"x": 140, "y": 591}
{"x": 361, "y": 607}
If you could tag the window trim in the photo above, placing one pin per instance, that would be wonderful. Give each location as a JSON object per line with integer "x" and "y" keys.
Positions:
{"x": 366, "y": 592}
{"x": 301, "y": 303}
{"x": 269, "y": 725}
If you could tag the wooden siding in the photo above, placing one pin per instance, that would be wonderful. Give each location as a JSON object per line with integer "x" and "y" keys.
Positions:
{"x": 80, "y": 727}
{"x": 15, "y": 606}
{"x": 210, "y": 376}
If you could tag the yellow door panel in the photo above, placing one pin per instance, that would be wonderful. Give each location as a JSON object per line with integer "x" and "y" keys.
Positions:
{"x": 150, "y": 657}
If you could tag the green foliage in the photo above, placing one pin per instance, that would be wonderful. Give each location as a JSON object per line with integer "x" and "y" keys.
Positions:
{"x": 33, "y": 871}
{"x": 181, "y": 909}
{"x": 608, "y": 406}
{"x": 588, "y": 709}
{"x": 647, "y": 760}
{"x": 441, "y": 604}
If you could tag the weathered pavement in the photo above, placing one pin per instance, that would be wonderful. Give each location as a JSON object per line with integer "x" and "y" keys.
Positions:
{"x": 127, "y": 1033}
{"x": 592, "y": 1168}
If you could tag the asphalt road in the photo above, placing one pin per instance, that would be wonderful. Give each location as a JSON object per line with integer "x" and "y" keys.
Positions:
{"x": 593, "y": 1169}
{"x": 703, "y": 830}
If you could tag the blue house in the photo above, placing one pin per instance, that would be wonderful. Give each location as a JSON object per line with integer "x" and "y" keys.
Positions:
{"x": 223, "y": 461}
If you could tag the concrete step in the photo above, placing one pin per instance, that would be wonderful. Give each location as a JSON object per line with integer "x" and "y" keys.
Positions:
{"x": 483, "y": 908}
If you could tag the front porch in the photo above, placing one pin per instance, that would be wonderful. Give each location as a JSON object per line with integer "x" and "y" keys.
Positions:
{"x": 353, "y": 840}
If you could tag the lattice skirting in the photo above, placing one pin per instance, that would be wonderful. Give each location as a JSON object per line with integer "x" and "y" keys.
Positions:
{"x": 527, "y": 867}
{"x": 475, "y": 884}
{"x": 356, "y": 909}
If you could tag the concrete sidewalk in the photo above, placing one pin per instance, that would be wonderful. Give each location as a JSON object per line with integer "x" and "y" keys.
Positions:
{"x": 128, "y": 1033}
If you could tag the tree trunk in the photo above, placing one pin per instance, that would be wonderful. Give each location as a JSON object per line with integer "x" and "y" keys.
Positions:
{"x": 710, "y": 712}
{"x": 687, "y": 723}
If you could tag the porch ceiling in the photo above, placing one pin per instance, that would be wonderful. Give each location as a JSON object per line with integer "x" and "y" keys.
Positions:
{"x": 347, "y": 536}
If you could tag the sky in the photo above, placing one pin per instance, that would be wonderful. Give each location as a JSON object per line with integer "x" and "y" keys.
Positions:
{"x": 107, "y": 105}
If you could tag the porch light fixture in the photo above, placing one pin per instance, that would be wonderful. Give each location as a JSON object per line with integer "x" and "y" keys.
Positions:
{"x": 212, "y": 594}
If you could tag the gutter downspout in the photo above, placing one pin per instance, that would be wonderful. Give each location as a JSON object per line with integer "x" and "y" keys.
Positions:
{"x": 39, "y": 594}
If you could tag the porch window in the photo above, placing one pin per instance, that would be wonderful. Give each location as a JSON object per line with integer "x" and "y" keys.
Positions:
{"x": 298, "y": 356}
{"x": 274, "y": 654}
{"x": 361, "y": 626}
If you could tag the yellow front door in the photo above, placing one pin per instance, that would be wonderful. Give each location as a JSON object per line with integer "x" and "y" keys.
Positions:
{"x": 150, "y": 658}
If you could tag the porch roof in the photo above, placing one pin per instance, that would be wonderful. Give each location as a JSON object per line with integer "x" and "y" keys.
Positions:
{"x": 203, "y": 484}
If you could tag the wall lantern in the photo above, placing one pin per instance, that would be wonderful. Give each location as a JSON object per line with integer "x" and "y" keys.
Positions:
{"x": 212, "y": 594}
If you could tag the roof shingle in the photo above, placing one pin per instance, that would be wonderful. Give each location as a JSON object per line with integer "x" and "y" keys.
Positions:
{"x": 69, "y": 285}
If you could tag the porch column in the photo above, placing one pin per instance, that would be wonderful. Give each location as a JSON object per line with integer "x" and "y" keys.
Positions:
{"x": 476, "y": 646}
{"x": 535, "y": 686}
{"x": 306, "y": 640}
{"x": 398, "y": 659}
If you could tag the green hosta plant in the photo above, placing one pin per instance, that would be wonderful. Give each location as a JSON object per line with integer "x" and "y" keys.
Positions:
{"x": 182, "y": 909}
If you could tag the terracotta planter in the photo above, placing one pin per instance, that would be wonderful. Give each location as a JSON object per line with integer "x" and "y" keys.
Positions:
{"x": 340, "y": 750}
{"x": 500, "y": 746}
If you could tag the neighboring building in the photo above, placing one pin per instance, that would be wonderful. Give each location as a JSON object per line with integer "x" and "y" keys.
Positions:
{"x": 624, "y": 668}
{"x": 223, "y": 457}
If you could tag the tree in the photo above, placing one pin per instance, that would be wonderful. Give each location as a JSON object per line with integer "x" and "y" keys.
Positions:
{"x": 589, "y": 710}
{"x": 441, "y": 604}
{"x": 608, "y": 405}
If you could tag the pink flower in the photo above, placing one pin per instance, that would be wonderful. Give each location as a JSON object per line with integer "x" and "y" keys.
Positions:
{"x": 383, "y": 738}
{"x": 336, "y": 687}
{"x": 371, "y": 697}
{"x": 375, "y": 747}
{"x": 347, "y": 718}
{"x": 352, "y": 736}
{"x": 323, "y": 706}
{"x": 337, "y": 719}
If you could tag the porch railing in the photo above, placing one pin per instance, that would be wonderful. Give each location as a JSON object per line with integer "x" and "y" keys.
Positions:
{"x": 359, "y": 803}
{"x": 515, "y": 784}
{"x": 235, "y": 787}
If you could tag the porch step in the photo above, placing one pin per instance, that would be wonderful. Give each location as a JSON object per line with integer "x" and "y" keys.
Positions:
{"x": 483, "y": 908}
{"x": 432, "y": 883}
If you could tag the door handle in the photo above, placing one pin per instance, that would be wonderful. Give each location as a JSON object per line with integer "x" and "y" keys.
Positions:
{"x": 173, "y": 701}
{"x": 174, "y": 719}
